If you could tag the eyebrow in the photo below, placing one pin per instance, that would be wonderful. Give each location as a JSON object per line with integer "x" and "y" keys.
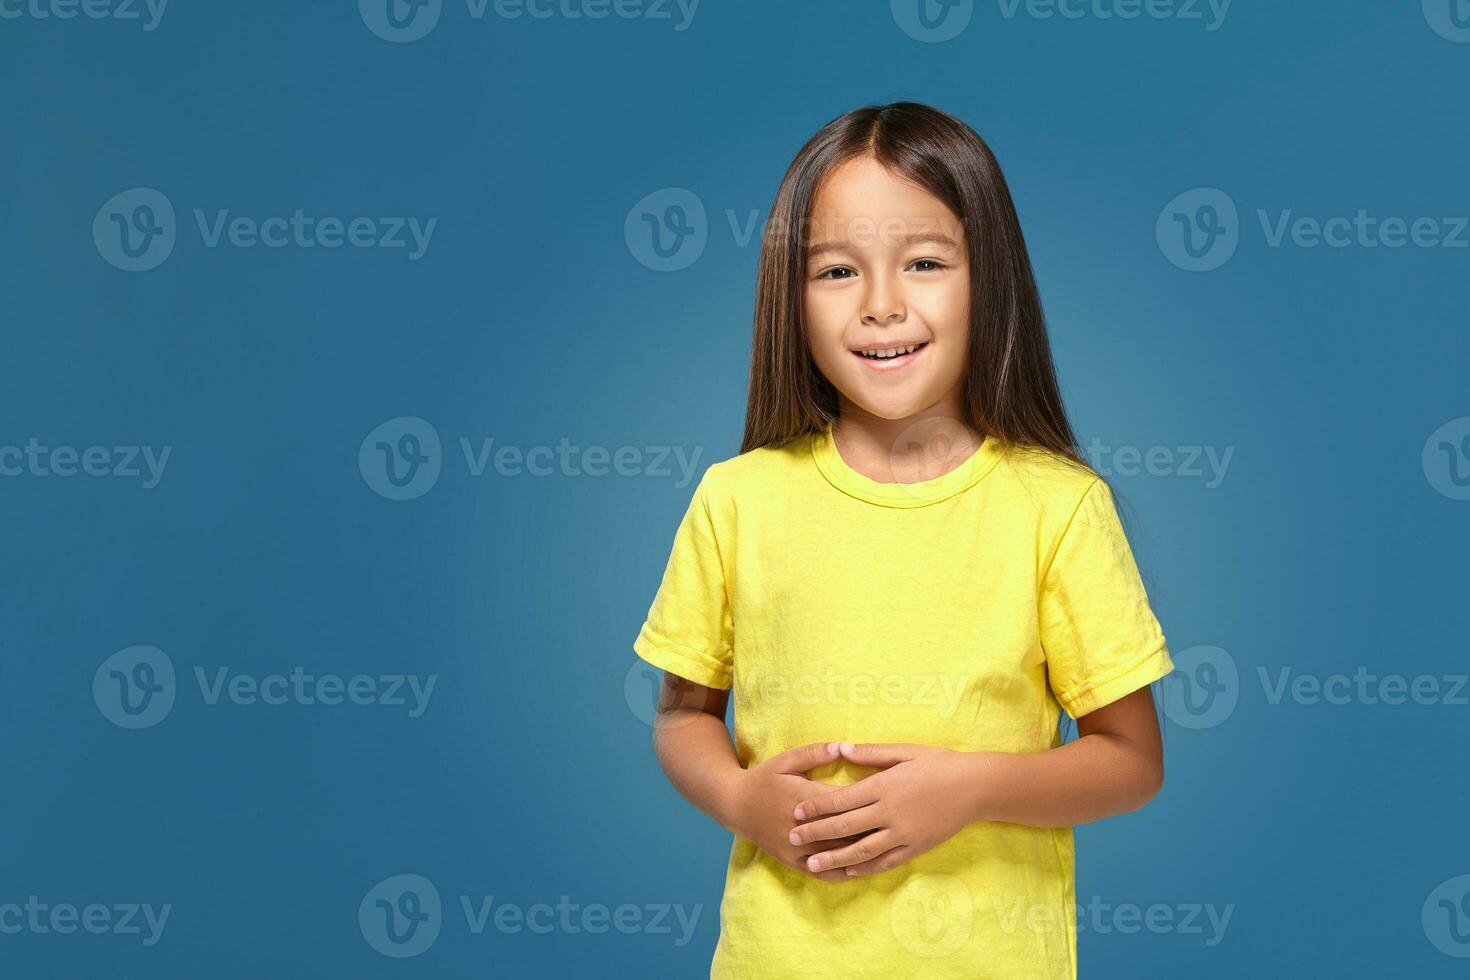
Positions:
{"x": 915, "y": 238}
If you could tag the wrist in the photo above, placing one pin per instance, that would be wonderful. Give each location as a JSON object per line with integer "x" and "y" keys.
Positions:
{"x": 728, "y": 802}
{"x": 987, "y": 773}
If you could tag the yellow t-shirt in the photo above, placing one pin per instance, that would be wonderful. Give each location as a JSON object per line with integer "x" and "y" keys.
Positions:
{"x": 961, "y": 611}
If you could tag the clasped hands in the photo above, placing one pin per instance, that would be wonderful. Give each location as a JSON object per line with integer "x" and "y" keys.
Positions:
{"x": 921, "y": 796}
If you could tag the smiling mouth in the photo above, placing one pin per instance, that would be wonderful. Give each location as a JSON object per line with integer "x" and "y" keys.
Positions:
{"x": 888, "y": 358}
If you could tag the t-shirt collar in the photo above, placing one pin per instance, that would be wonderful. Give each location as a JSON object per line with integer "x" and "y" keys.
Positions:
{"x": 922, "y": 493}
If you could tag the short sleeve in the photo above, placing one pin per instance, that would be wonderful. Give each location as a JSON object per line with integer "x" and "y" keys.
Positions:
{"x": 1098, "y": 632}
{"x": 688, "y": 630}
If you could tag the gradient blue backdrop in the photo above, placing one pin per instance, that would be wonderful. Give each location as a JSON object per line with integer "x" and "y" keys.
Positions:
{"x": 1330, "y": 544}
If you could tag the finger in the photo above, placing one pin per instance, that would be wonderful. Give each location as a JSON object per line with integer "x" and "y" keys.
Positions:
{"x": 836, "y": 874}
{"x": 805, "y": 851}
{"x": 799, "y": 865}
{"x": 860, "y": 793}
{"x": 879, "y": 754}
{"x": 841, "y": 825}
{"x": 859, "y": 851}
{"x": 883, "y": 862}
{"x": 804, "y": 757}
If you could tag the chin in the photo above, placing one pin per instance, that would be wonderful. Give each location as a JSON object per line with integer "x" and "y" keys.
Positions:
{"x": 890, "y": 409}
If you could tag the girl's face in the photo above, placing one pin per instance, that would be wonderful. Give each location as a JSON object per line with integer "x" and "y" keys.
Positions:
{"x": 887, "y": 295}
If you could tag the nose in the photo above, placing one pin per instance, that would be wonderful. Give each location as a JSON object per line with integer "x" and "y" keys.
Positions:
{"x": 882, "y": 303}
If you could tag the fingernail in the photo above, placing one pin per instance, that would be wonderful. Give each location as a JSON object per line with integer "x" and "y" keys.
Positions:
{"x": 831, "y": 746}
{"x": 852, "y": 871}
{"x": 847, "y": 746}
{"x": 813, "y": 864}
{"x": 799, "y": 814}
{"x": 795, "y": 837}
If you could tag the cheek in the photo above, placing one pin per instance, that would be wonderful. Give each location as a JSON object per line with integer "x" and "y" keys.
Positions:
{"x": 824, "y": 330}
{"x": 948, "y": 314}
{"x": 947, "y": 310}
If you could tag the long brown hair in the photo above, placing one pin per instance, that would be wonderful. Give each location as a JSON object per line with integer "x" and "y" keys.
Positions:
{"x": 1011, "y": 386}
{"x": 1011, "y": 390}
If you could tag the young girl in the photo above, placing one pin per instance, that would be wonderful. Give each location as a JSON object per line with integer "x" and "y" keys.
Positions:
{"x": 905, "y": 576}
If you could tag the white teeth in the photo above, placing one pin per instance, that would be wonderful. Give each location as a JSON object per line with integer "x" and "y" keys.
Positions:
{"x": 891, "y": 351}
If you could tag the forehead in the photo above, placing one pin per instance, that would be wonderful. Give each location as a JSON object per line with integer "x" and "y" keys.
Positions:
{"x": 862, "y": 194}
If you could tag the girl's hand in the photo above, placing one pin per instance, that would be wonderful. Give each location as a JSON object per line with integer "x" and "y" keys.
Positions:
{"x": 764, "y": 796}
{"x": 924, "y": 796}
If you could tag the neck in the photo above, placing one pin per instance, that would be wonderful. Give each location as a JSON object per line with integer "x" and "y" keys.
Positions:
{"x": 918, "y": 447}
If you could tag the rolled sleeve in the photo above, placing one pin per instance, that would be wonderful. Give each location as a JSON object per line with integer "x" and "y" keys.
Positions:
{"x": 688, "y": 630}
{"x": 1101, "y": 638}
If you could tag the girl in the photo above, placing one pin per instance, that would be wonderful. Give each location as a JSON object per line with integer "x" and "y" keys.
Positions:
{"x": 905, "y": 576}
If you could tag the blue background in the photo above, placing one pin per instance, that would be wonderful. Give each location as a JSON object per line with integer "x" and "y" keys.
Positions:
{"x": 531, "y": 319}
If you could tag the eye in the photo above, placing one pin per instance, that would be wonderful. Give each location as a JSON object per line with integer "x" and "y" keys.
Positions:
{"x": 933, "y": 262}
{"x": 828, "y": 274}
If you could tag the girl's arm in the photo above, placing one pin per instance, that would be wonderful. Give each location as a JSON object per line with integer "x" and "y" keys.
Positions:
{"x": 1115, "y": 765}
{"x": 925, "y": 794}
{"x": 693, "y": 747}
